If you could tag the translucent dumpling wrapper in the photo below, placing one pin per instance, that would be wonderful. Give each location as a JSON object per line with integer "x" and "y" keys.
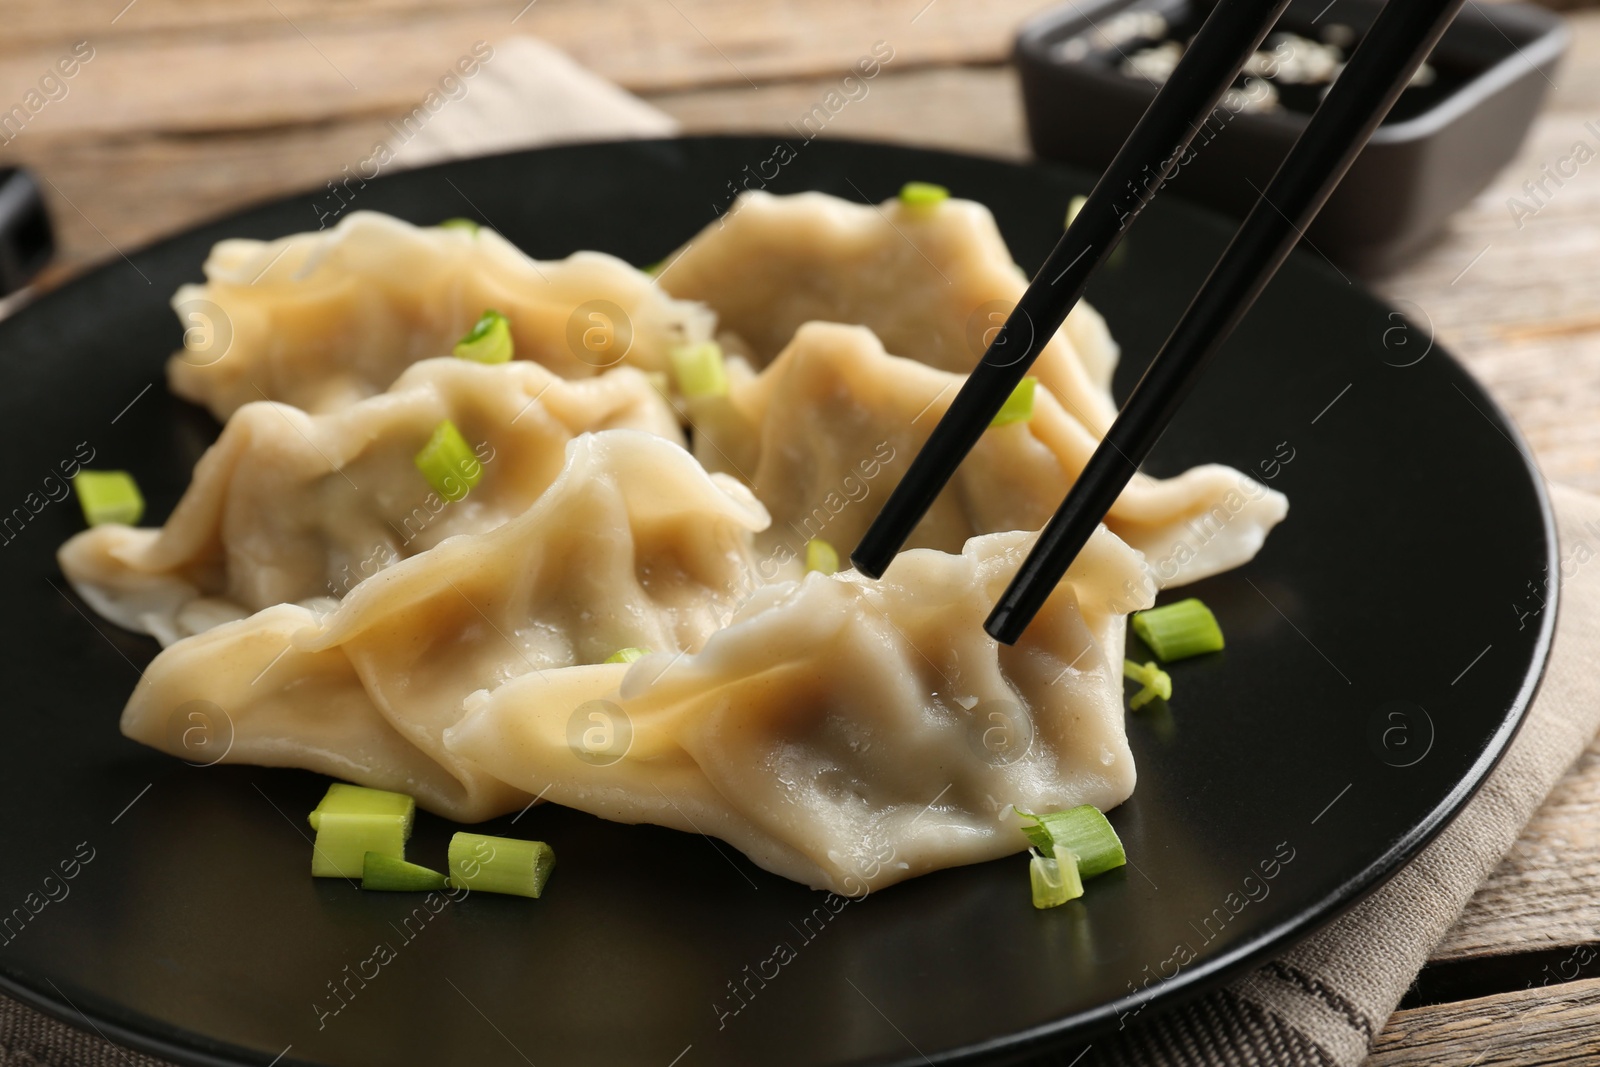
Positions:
{"x": 629, "y": 548}
{"x": 842, "y": 732}
{"x": 828, "y": 428}
{"x": 323, "y": 319}
{"x": 933, "y": 282}
{"x": 287, "y": 507}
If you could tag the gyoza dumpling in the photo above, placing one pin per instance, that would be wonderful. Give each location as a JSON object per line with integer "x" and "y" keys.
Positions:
{"x": 830, "y": 426}
{"x": 288, "y": 507}
{"x": 842, "y": 732}
{"x": 933, "y": 282}
{"x": 633, "y": 545}
{"x": 320, "y": 320}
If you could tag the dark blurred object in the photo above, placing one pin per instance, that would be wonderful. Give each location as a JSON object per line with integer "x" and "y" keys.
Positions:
{"x": 1443, "y": 143}
{"x": 26, "y": 239}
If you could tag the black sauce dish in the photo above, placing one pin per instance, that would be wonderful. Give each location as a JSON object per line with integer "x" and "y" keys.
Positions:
{"x": 1440, "y": 146}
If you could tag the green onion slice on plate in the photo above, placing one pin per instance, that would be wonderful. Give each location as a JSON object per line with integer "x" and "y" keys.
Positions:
{"x": 500, "y": 864}
{"x": 1082, "y": 831}
{"x": 352, "y": 821}
{"x": 1055, "y": 877}
{"x": 1179, "y": 630}
{"x": 1156, "y": 682}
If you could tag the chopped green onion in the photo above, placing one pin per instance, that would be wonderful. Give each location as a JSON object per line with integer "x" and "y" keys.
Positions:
{"x": 489, "y": 340}
{"x": 923, "y": 194}
{"x": 352, "y": 821}
{"x": 627, "y": 655}
{"x": 1179, "y": 630}
{"x": 1074, "y": 206}
{"x": 653, "y": 269}
{"x": 386, "y": 873}
{"x": 459, "y": 224}
{"x": 1156, "y": 682}
{"x": 1084, "y": 832}
{"x": 345, "y": 838}
{"x": 821, "y": 557}
{"x": 500, "y": 864}
{"x": 699, "y": 370}
{"x": 346, "y": 799}
{"x": 108, "y": 496}
{"x": 1055, "y": 878}
{"x": 1018, "y": 406}
{"x": 448, "y": 463}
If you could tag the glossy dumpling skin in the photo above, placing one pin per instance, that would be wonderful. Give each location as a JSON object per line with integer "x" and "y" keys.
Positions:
{"x": 932, "y": 283}
{"x": 320, "y": 320}
{"x": 846, "y": 733}
{"x": 827, "y": 429}
{"x": 288, "y": 507}
{"x": 633, "y": 545}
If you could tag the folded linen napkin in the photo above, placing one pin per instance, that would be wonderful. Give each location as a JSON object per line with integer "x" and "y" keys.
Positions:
{"x": 1322, "y": 1003}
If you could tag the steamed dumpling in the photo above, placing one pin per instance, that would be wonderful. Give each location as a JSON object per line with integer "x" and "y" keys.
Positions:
{"x": 320, "y": 320}
{"x": 633, "y": 545}
{"x": 842, "y": 732}
{"x": 932, "y": 282}
{"x": 288, "y": 507}
{"x": 830, "y": 426}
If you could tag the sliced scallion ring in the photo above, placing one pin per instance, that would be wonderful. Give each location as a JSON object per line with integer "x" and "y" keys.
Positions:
{"x": 351, "y": 821}
{"x": 1179, "y": 630}
{"x": 500, "y": 864}
{"x": 108, "y": 496}
{"x": 1084, "y": 831}
{"x": 1055, "y": 877}
{"x": 489, "y": 340}
{"x": 1155, "y": 681}
{"x": 699, "y": 370}
{"x": 923, "y": 194}
{"x": 448, "y": 463}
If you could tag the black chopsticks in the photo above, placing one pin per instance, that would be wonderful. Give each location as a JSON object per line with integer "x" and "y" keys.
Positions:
{"x": 1377, "y": 72}
{"x": 1229, "y": 36}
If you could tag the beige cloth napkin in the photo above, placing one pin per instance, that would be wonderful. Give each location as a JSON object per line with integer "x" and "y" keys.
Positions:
{"x": 1318, "y": 1006}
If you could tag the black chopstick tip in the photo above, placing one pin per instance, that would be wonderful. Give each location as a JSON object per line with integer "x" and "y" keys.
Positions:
{"x": 867, "y": 563}
{"x": 877, "y": 547}
{"x": 1005, "y": 625}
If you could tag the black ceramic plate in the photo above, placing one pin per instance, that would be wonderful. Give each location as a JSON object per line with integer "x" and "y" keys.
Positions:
{"x": 1380, "y": 653}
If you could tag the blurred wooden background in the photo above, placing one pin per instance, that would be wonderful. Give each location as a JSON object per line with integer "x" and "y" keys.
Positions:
{"x": 189, "y": 108}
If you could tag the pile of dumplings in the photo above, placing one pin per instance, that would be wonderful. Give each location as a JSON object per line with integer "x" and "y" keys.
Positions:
{"x": 842, "y": 732}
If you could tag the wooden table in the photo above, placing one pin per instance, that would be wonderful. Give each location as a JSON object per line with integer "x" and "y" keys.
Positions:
{"x": 189, "y": 108}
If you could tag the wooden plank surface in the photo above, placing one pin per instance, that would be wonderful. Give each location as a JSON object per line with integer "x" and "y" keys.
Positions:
{"x": 1545, "y": 893}
{"x": 191, "y": 108}
{"x": 1544, "y": 1025}
{"x": 237, "y": 64}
